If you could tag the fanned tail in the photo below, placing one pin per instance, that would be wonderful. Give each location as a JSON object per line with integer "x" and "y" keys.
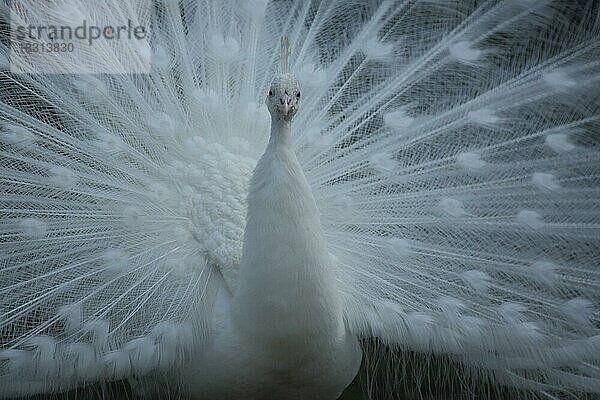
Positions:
{"x": 452, "y": 148}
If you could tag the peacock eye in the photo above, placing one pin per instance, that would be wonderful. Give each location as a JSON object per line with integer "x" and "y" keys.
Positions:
{"x": 270, "y": 93}
{"x": 298, "y": 95}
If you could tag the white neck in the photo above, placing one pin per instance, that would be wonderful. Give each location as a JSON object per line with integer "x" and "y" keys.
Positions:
{"x": 286, "y": 311}
{"x": 281, "y": 134}
{"x": 286, "y": 286}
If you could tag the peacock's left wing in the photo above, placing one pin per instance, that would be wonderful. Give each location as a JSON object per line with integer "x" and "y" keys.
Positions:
{"x": 453, "y": 152}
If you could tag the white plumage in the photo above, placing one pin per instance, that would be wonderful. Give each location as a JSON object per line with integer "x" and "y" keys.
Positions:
{"x": 436, "y": 193}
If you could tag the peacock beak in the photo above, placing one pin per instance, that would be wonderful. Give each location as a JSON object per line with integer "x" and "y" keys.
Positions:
{"x": 286, "y": 102}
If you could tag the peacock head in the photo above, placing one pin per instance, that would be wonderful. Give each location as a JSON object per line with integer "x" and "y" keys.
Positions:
{"x": 283, "y": 99}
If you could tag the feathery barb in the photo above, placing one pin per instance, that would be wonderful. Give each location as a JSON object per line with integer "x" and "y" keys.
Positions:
{"x": 285, "y": 55}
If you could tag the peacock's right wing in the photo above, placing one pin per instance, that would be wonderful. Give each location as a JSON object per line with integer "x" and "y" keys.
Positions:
{"x": 122, "y": 199}
{"x": 453, "y": 150}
